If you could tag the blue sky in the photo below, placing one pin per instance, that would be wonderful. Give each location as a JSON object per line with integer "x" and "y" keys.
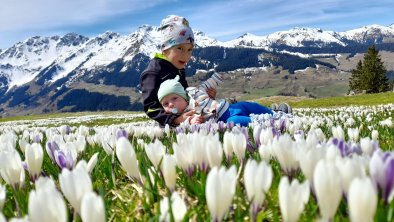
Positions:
{"x": 220, "y": 19}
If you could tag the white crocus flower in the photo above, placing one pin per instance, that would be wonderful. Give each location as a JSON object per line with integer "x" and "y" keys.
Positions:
{"x": 127, "y": 158}
{"x": 47, "y": 197}
{"x": 34, "y": 158}
{"x": 337, "y": 132}
{"x": 308, "y": 160}
{"x": 375, "y": 135}
{"x": 350, "y": 169}
{"x": 362, "y": 200}
{"x": 23, "y": 144}
{"x": 2, "y": 196}
{"x": 353, "y": 134}
{"x": 292, "y": 198}
{"x": 257, "y": 179}
{"x": 92, "y": 162}
{"x": 155, "y": 151}
{"x": 168, "y": 169}
{"x": 367, "y": 146}
{"x": 328, "y": 188}
{"x": 178, "y": 207}
{"x": 266, "y": 136}
{"x": 284, "y": 150}
{"x": 92, "y": 208}
{"x": 220, "y": 190}
{"x": 265, "y": 152}
{"x": 2, "y": 218}
{"x": 11, "y": 169}
{"x": 239, "y": 145}
{"x": 167, "y": 130}
{"x": 228, "y": 145}
{"x": 75, "y": 184}
{"x": 214, "y": 150}
{"x": 184, "y": 156}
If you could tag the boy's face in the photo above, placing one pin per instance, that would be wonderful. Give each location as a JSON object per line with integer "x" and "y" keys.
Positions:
{"x": 171, "y": 101}
{"x": 179, "y": 55}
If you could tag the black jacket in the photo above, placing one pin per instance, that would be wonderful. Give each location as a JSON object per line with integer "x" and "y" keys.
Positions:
{"x": 157, "y": 72}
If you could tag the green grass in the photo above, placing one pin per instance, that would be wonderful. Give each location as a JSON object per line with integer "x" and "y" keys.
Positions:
{"x": 126, "y": 200}
{"x": 62, "y": 115}
{"x": 365, "y": 99}
{"x": 94, "y": 122}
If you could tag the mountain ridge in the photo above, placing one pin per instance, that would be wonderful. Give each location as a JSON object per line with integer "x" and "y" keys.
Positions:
{"x": 38, "y": 71}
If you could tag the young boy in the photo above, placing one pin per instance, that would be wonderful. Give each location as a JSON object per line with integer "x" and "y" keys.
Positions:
{"x": 174, "y": 99}
{"x": 176, "y": 46}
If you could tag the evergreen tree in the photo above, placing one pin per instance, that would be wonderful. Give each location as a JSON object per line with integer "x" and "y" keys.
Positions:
{"x": 355, "y": 79}
{"x": 370, "y": 75}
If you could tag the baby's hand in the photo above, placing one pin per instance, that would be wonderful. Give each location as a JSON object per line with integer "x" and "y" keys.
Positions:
{"x": 183, "y": 117}
{"x": 196, "y": 119}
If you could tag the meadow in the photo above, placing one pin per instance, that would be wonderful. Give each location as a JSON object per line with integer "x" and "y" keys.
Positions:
{"x": 331, "y": 160}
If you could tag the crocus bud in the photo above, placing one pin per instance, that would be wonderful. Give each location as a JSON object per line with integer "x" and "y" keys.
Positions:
{"x": 11, "y": 168}
{"x": 328, "y": 188}
{"x": 220, "y": 190}
{"x": 34, "y": 158}
{"x": 375, "y": 134}
{"x": 292, "y": 198}
{"x": 239, "y": 145}
{"x": 257, "y": 178}
{"x": 75, "y": 184}
{"x": 366, "y": 145}
{"x": 92, "y": 208}
{"x": 350, "y": 169}
{"x": 47, "y": 197}
{"x": 155, "y": 151}
{"x": 214, "y": 150}
{"x": 178, "y": 207}
{"x": 228, "y": 145}
{"x": 168, "y": 169}
{"x": 127, "y": 158}
{"x": 362, "y": 200}
{"x": 92, "y": 162}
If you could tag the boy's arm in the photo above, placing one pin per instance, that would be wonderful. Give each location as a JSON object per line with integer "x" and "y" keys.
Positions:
{"x": 152, "y": 107}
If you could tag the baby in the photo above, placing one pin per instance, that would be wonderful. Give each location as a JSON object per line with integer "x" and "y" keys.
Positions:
{"x": 176, "y": 100}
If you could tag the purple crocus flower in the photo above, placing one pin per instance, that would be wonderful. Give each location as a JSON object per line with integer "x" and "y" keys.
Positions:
{"x": 244, "y": 131}
{"x": 37, "y": 139}
{"x": 282, "y": 125}
{"x": 256, "y": 135}
{"x": 381, "y": 168}
{"x": 64, "y": 159}
{"x": 121, "y": 133}
{"x": 50, "y": 148}
{"x": 179, "y": 130}
{"x": 222, "y": 126}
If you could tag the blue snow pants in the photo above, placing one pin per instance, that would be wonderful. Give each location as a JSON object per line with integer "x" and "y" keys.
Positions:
{"x": 239, "y": 112}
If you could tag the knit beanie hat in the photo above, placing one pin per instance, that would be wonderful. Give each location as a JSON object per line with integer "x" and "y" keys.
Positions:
{"x": 171, "y": 86}
{"x": 175, "y": 30}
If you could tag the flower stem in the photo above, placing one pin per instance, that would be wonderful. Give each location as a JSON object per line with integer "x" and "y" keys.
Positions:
{"x": 113, "y": 169}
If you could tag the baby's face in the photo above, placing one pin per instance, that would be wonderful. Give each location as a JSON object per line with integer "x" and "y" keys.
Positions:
{"x": 179, "y": 55}
{"x": 173, "y": 103}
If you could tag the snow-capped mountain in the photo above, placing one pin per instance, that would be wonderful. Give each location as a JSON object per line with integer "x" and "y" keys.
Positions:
{"x": 49, "y": 67}
{"x": 312, "y": 37}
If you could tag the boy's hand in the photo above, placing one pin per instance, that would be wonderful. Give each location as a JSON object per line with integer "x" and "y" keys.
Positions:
{"x": 183, "y": 117}
{"x": 196, "y": 119}
{"x": 211, "y": 93}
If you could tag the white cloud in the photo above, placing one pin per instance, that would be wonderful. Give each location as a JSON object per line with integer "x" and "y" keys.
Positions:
{"x": 45, "y": 14}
